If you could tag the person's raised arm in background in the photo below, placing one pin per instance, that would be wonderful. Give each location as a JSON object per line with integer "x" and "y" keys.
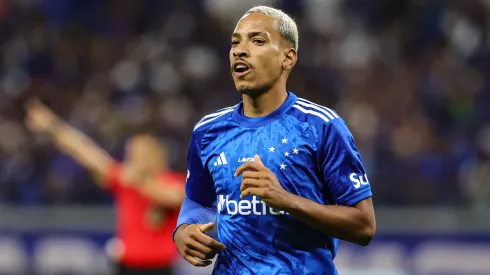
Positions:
{"x": 140, "y": 171}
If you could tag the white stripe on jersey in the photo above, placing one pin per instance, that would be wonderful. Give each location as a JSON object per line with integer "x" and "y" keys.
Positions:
{"x": 311, "y": 112}
{"x": 325, "y": 109}
{"x": 217, "y": 113}
{"x": 213, "y": 117}
{"x": 223, "y": 157}
{"x": 226, "y": 108}
{"x": 315, "y": 107}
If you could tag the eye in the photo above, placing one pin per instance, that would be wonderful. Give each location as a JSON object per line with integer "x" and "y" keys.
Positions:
{"x": 234, "y": 43}
{"x": 258, "y": 42}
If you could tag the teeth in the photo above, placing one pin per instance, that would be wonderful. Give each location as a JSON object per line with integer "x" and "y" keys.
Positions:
{"x": 241, "y": 67}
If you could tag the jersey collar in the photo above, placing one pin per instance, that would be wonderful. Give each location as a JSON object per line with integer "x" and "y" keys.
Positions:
{"x": 254, "y": 122}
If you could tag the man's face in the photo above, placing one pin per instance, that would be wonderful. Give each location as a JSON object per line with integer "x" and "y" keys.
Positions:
{"x": 144, "y": 153}
{"x": 256, "y": 54}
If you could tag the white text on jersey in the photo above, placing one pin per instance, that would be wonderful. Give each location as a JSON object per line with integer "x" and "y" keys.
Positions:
{"x": 358, "y": 180}
{"x": 246, "y": 160}
{"x": 246, "y": 207}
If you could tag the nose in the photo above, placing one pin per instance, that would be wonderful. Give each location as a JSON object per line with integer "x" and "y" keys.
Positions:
{"x": 240, "y": 53}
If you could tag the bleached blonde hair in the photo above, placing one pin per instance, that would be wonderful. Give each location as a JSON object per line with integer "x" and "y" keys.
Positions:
{"x": 286, "y": 25}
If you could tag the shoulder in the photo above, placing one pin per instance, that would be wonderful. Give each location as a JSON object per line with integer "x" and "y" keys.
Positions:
{"x": 325, "y": 121}
{"x": 332, "y": 131}
{"x": 317, "y": 115}
{"x": 209, "y": 120}
{"x": 114, "y": 176}
{"x": 115, "y": 169}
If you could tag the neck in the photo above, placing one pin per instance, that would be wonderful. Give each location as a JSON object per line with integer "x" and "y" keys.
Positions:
{"x": 264, "y": 103}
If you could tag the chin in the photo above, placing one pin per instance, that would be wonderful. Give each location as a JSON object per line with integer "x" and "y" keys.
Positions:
{"x": 244, "y": 89}
{"x": 251, "y": 90}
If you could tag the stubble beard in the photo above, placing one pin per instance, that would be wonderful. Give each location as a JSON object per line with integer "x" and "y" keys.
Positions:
{"x": 257, "y": 90}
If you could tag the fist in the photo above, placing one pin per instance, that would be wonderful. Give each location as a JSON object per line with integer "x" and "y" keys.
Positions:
{"x": 260, "y": 181}
{"x": 195, "y": 246}
{"x": 39, "y": 117}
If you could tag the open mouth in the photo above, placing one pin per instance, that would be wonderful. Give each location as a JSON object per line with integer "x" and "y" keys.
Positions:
{"x": 241, "y": 68}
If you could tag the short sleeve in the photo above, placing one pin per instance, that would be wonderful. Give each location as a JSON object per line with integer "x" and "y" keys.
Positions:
{"x": 199, "y": 185}
{"x": 113, "y": 180}
{"x": 341, "y": 165}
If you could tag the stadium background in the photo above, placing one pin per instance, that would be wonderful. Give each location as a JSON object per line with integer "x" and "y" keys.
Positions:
{"x": 409, "y": 77}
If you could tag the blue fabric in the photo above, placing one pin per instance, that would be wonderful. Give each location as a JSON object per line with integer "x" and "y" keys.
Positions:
{"x": 312, "y": 153}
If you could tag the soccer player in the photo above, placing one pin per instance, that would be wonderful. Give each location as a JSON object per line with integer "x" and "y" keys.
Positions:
{"x": 148, "y": 195}
{"x": 280, "y": 176}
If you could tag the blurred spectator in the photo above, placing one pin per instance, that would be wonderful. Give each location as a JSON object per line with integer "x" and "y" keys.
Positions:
{"x": 475, "y": 174}
{"x": 148, "y": 195}
{"x": 407, "y": 76}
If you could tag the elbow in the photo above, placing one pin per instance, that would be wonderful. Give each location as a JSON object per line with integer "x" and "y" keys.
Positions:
{"x": 366, "y": 237}
{"x": 366, "y": 234}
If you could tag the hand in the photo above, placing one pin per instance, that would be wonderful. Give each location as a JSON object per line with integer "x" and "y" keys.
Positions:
{"x": 258, "y": 180}
{"x": 39, "y": 117}
{"x": 193, "y": 243}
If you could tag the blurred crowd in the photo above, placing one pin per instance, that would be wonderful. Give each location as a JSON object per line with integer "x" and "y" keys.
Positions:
{"x": 411, "y": 79}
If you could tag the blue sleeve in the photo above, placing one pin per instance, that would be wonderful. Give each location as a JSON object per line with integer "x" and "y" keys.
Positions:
{"x": 199, "y": 206}
{"x": 193, "y": 212}
{"x": 341, "y": 165}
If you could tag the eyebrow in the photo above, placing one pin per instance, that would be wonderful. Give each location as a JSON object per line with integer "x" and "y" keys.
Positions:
{"x": 251, "y": 34}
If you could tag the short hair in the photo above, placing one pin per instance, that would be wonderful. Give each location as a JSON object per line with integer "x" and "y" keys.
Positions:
{"x": 287, "y": 26}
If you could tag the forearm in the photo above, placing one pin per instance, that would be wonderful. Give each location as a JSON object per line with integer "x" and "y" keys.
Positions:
{"x": 80, "y": 147}
{"x": 70, "y": 140}
{"x": 193, "y": 212}
{"x": 166, "y": 196}
{"x": 342, "y": 222}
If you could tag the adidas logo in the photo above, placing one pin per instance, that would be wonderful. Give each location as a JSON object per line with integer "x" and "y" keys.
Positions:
{"x": 221, "y": 159}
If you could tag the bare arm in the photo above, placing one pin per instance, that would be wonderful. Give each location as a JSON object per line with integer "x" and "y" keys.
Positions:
{"x": 355, "y": 224}
{"x": 69, "y": 140}
{"x": 166, "y": 195}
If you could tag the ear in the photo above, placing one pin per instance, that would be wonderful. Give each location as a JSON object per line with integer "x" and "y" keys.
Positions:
{"x": 290, "y": 58}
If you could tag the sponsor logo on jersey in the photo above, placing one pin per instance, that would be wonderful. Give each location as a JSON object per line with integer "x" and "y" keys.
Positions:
{"x": 246, "y": 160}
{"x": 255, "y": 206}
{"x": 358, "y": 180}
{"x": 221, "y": 160}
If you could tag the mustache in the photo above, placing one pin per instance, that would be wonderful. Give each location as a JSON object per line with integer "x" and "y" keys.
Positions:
{"x": 240, "y": 61}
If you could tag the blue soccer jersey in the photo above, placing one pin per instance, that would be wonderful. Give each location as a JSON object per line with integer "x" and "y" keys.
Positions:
{"x": 310, "y": 150}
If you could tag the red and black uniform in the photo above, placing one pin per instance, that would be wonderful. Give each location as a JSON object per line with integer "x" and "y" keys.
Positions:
{"x": 144, "y": 229}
